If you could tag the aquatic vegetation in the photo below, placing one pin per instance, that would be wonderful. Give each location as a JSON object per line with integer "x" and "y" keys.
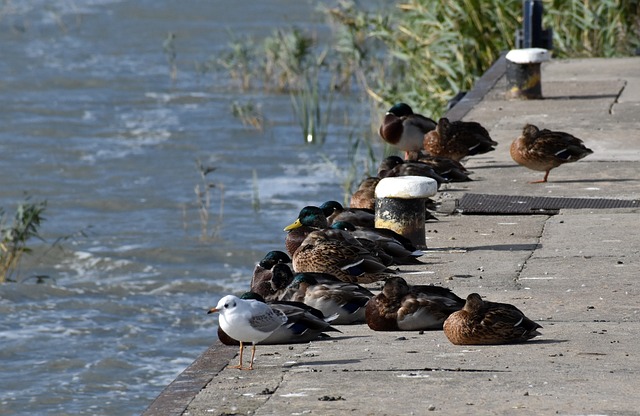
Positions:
{"x": 15, "y": 236}
{"x": 249, "y": 113}
{"x": 203, "y": 193}
{"x": 170, "y": 52}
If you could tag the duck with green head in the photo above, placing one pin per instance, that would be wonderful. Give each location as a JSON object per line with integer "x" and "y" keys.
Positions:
{"x": 404, "y": 129}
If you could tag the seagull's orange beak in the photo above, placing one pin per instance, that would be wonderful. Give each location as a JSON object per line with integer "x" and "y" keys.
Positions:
{"x": 213, "y": 310}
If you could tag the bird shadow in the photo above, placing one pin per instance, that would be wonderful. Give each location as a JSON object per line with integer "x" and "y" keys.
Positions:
{"x": 327, "y": 362}
{"x": 505, "y": 247}
{"x": 547, "y": 341}
{"x": 591, "y": 180}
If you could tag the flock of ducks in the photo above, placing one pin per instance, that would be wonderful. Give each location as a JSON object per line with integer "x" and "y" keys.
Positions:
{"x": 316, "y": 282}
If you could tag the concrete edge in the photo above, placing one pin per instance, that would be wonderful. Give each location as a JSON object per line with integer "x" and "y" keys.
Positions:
{"x": 175, "y": 398}
{"x": 480, "y": 89}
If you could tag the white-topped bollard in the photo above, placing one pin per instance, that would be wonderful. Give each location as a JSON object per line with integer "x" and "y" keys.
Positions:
{"x": 400, "y": 205}
{"x": 524, "y": 80}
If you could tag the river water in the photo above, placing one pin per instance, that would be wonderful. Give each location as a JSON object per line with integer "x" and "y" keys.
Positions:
{"x": 92, "y": 122}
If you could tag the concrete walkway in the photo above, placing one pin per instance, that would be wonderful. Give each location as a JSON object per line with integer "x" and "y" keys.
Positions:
{"x": 576, "y": 273}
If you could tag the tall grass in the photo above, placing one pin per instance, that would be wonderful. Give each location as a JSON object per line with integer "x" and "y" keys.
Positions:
{"x": 585, "y": 28}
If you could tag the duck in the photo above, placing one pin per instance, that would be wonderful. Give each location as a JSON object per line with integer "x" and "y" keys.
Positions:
{"x": 334, "y": 211}
{"x": 349, "y": 262}
{"x": 394, "y": 166}
{"x": 543, "y": 150}
{"x": 458, "y": 139}
{"x": 332, "y": 297}
{"x": 365, "y": 195}
{"x": 382, "y": 241}
{"x": 304, "y": 323}
{"x": 262, "y": 272}
{"x": 402, "y": 307}
{"x": 310, "y": 218}
{"x": 404, "y": 129}
{"x": 280, "y": 277}
{"x": 488, "y": 323}
{"x": 451, "y": 170}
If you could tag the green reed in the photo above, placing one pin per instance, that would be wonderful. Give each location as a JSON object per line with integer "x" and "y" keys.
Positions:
{"x": 14, "y": 237}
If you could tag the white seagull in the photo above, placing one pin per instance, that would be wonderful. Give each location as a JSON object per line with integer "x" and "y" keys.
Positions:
{"x": 247, "y": 321}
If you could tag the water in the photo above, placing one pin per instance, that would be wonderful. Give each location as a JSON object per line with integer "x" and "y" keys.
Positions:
{"x": 92, "y": 123}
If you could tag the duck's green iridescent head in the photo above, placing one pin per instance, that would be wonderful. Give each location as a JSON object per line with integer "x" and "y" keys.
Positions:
{"x": 303, "y": 278}
{"x": 274, "y": 257}
{"x": 310, "y": 216}
{"x": 401, "y": 110}
{"x": 330, "y": 207}
{"x": 252, "y": 296}
{"x": 343, "y": 225}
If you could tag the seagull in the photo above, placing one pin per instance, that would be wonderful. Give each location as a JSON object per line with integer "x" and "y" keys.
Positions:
{"x": 247, "y": 321}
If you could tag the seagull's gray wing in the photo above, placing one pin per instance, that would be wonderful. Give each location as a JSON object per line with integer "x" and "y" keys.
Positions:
{"x": 265, "y": 319}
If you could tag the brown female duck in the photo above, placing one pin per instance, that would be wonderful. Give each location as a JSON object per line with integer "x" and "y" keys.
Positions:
{"x": 458, "y": 139}
{"x": 484, "y": 323}
{"x": 401, "y": 307}
{"x": 544, "y": 150}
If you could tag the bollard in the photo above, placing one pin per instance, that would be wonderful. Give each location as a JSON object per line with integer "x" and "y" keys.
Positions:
{"x": 400, "y": 206}
{"x": 524, "y": 80}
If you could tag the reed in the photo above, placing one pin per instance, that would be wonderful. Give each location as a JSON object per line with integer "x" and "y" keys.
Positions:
{"x": 14, "y": 237}
{"x": 249, "y": 113}
{"x": 202, "y": 190}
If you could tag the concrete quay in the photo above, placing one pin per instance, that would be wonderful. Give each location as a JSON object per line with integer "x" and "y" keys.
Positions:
{"x": 575, "y": 271}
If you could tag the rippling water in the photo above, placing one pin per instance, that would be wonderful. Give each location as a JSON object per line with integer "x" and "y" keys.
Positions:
{"x": 92, "y": 123}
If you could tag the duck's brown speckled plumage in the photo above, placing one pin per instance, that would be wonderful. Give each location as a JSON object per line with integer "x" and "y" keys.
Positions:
{"x": 458, "y": 139}
{"x": 348, "y": 262}
{"x": 365, "y": 195}
{"x": 543, "y": 150}
{"x": 487, "y": 323}
{"x": 402, "y": 307}
{"x": 449, "y": 169}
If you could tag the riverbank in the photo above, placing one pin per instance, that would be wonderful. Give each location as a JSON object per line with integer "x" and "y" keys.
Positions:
{"x": 574, "y": 270}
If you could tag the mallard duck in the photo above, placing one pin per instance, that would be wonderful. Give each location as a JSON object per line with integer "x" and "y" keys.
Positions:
{"x": 404, "y": 129}
{"x": 334, "y": 211}
{"x": 247, "y": 321}
{"x": 304, "y": 323}
{"x": 483, "y": 323}
{"x": 365, "y": 196}
{"x": 401, "y": 307}
{"x": 544, "y": 149}
{"x": 394, "y": 166}
{"x": 349, "y": 262}
{"x": 457, "y": 140}
{"x": 450, "y": 169}
{"x": 310, "y": 218}
{"x": 396, "y": 247}
{"x": 280, "y": 277}
{"x": 346, "y": 300}
{"x": 263, "y": 270}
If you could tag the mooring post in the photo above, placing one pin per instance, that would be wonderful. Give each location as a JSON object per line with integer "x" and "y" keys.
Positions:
{"x": 400, "y": 206}
{"x": 524, "y": 79}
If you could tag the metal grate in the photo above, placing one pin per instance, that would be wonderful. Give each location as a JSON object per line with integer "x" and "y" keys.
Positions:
{"x": 478, "y": 204}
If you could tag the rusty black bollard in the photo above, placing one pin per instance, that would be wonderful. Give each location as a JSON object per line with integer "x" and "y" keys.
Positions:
{"x": 524, "y": 80}
{"x": 400, "y": 205}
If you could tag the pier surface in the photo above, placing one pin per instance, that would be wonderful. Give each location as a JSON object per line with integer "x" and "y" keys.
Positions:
{"x": 574, "y": 270}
